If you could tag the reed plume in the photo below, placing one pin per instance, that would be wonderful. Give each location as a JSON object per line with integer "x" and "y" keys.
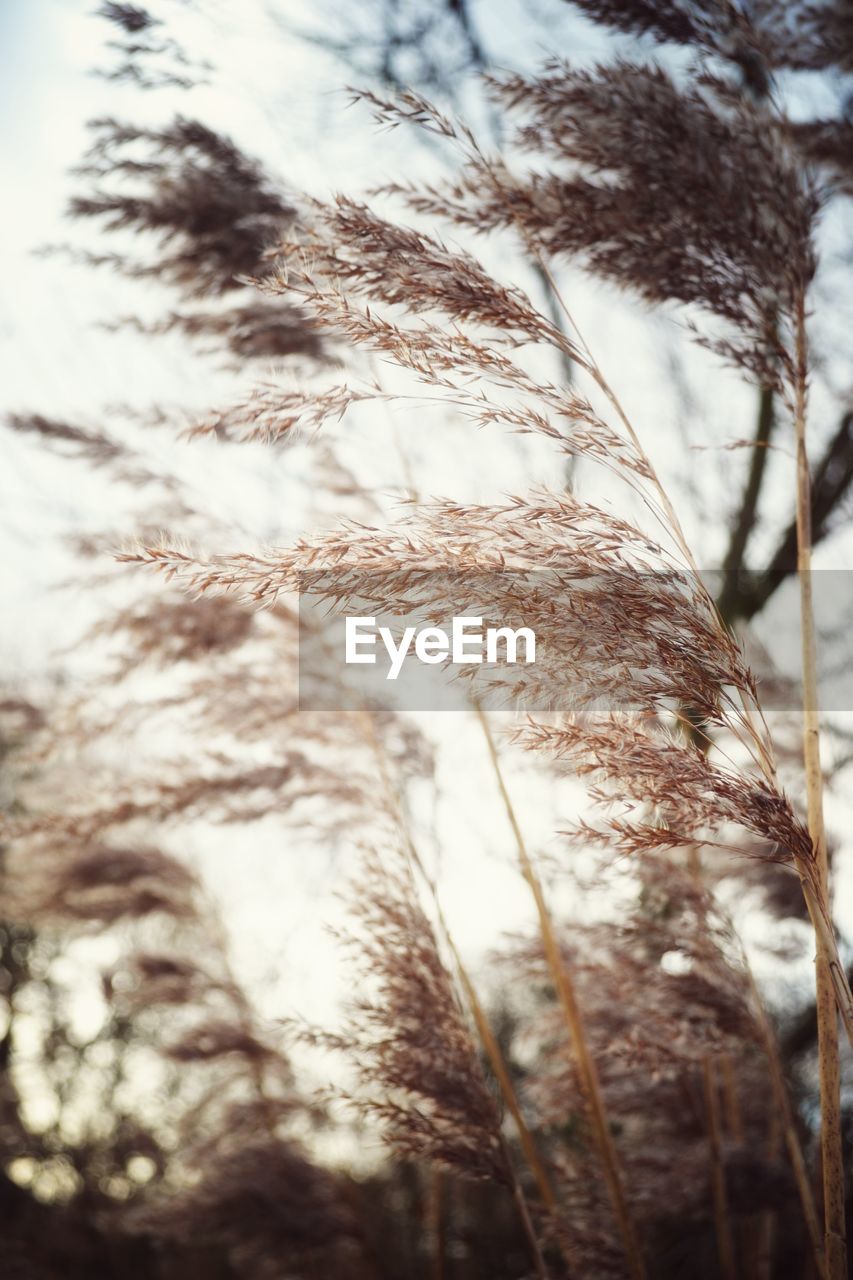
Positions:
{"x": 415, "y": 1057}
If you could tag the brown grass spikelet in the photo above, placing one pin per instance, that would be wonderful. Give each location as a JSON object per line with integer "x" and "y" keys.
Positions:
{"x": 413, "y": 1051}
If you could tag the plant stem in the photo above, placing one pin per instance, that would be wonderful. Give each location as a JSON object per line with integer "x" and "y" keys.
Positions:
{"x": 490, "y": 1045}
{"x": 784, "y": 1116}
{"x": 719, "y": 1195}
{"x": 722, "y": 1226}
{"x": 571, "y": 1009}
{"x": 826, "y": 959}
{"x": 524, "y": 1215}
{"x": 764, "y": 1246}
{"x": 435, "y": 1211}
{"x": 499, "y": 1067}
{"x": 731, "y": 1102}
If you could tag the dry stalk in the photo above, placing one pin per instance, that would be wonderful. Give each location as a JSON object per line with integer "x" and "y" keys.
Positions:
{"x": 435, "y": 1218}
{"x": 722, "y": 1226}
{"x": 490, "y": 1045}
{"x": 767, "y": 1223}
{"x": 827, "y": 963}
{"x": 832, "y": 987}
{"x": 481, "y": 1020}
{"x": 731, "y": 1101}
{"x": 574, "y": 1023}
{"x": 784, "y": 1117}
{"x": 744, "y": 1232}
{"x": 832, "y": 983}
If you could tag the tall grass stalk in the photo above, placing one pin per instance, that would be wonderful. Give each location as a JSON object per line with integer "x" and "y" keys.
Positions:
{"x": 784, "y": 1121}
{"x": 567, "y": 996}
{"x": 826, "y": 963}
{"x": 833, "y": 994}
{"x": 490, "y": 1045}
{"x": 722, "y": 1222}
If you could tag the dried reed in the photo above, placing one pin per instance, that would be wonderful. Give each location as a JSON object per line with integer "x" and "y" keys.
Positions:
{"x": 644, "y": 182}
